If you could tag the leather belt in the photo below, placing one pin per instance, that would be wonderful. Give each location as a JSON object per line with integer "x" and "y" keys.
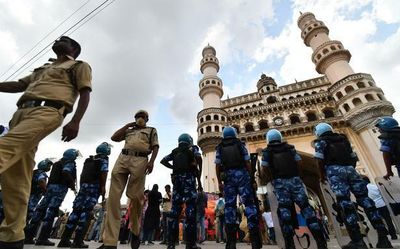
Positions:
{"x": 38, "y": 102}
{"x": 134, "y": 153}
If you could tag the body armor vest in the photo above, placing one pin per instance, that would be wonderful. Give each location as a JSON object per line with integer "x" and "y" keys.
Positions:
{"x": 394, "y": 136}
{"x": 338, "y": 150}
{"x": 183, "y": 159}
{"x": 281, "y": 160}
{"x": 35, "y": 189}
{"x": 91, "y": 170}
{"x": 231, "y": 154}
{"x": 56, "y": 173}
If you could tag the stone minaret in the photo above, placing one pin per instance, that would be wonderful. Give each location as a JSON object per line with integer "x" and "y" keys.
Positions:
{"x": 212, "y": 118}
{"x": 357, "y": 97}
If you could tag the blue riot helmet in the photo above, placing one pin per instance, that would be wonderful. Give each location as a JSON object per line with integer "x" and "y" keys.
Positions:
{"x": 185, "y": 138}
{"x": 386, "y": 123}
{"x": 273, "y": 135}
{"x": 321, "y": 128}
{"x": 104, "y": 149}
{"x": 229, "y": 132}
{"x": 71, "y": 154}
{"x": 45, "y": 164}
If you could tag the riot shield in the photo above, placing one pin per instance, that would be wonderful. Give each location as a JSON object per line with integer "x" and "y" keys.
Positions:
{"x": 302, "y": 238}
{"x": 336, "y": 216}
{"x": 390, "y": 190}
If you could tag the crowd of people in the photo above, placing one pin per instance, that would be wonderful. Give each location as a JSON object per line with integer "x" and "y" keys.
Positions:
{"x": 30, "y": 199}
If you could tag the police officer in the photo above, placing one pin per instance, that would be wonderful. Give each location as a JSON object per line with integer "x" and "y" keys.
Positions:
{"x": 62, "y": 177}
{"x": 184, "y": 175}
{"x": 232, "y": 167}
{"x": 131, "y": 167}
{"x": 337, "y": 162}
{"x": 281, "y": 162}
{"x": 50, "y": 92}
{"x": 390, "y": 143}
{"x": 39, "y": 185}
{"x": 92, "y": 185}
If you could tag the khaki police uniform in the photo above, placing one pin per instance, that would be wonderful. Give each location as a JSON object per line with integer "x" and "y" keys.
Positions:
{"x": 129, "y": 168}
{"x": 49, "y": 95}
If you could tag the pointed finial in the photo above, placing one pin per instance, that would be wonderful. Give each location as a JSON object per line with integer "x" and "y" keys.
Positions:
{"x": 301, "y": 13}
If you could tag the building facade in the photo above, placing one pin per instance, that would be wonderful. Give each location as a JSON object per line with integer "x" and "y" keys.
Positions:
{"x": 349, "y": 101}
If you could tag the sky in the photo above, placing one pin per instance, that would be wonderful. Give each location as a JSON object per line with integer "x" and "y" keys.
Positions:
{"x": 146, "y": 55}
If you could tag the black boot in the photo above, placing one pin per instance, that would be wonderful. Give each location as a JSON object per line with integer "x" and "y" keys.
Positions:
{"x": 135, "y": 241}
{"x": 289, "y": 242}
{"x": 357, "y": 241}
{"x": 78, "y": 240}
{"x": 12, "y": 245}
{"x": 230, "y": 236}
{"x": 65, "y": 237}
{"x": 319, "y": 238}
{"x": 255, "y": 238}
{"x": 43, "y": 239}
{"x": 29, "y": 236}
{"x": 383, "y": 241}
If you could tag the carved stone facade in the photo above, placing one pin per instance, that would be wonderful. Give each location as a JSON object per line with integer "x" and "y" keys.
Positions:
{"x": 348, "y": 101}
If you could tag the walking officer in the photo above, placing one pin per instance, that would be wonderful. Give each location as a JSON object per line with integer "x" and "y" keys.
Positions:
{"x": 390, "y": 143}
{"x": 92, "y": 185}
{"x": 336, "y": 161}
{"x": 50, "y": 92}
{"x": 62, "y": 177}
{"x": 281, "y": 162}
{"x": 184, "y": 174}
{"x": 131, "y": 167}
{"x": 233, "y": 173}
{"x": 39, "y": 185}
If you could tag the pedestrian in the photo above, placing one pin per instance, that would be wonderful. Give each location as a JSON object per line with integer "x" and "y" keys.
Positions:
{"x": 152, "y": 215}
{"x": 220, "y": 219}
{"x": 201, "y": 205}
{"x": 337, "y": 161}
{"x": 38, "y": 186}
{"x": 62, "y": 177}
{"x": 131, "y": 167}
{"x": 376, "y": 196}
{"x": 184, "y": 174}
{"x": 233, "y": 173}
{"x": 166, "y": 211}
{"x": 281, "y": 162}
{"x": 390, "y": 143}
{"x": 92, "y": 185}
{"x": 50, "y": 92}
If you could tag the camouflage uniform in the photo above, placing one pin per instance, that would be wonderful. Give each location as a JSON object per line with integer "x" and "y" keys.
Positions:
{"x": 37, "y": 194}
{"x": 48, "y": 207}
{"x": 184, "y": 191}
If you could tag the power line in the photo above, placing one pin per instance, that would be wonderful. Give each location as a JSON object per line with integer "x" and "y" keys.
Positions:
{"x": 76, "y": 24}
{"x": 47, "y": 35}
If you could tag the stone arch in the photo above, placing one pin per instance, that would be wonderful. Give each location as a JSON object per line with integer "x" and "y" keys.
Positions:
{"x": 346, "y": 107}
{"x": 208, "y": 118}
{"x": 349, "y": 89}
{"x": 360, "y": 84}
{"x": 311, "y": 116}
{"x": 208, "y": 129}
{"x": 263, "y": 124}
{"x": 328, "y": 113}
{"x": 369, "y": 97}
{"x": 356, "y": 101}
{"x": 249, "y": 127}
{"x": 201, "y": 120}
{"x": 216, "y": 117}
{"x": 201, "y": 131}
{"x": 339, "y": 95}
{"x": 271, "y": 100}
{"x": 216, "y": 128}
{"x": 294, "y": 119}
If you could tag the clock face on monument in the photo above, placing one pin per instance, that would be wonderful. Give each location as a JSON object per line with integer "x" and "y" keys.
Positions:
{"x": 278, "y": 121}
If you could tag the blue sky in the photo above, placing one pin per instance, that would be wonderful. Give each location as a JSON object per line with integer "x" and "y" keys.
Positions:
{"x": 146, "y": 54}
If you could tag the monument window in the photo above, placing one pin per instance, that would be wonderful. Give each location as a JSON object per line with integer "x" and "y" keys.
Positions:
{"x": 208, "y": 129}
{"x": 369, "y": 97}
{"x": 249, "y": 127}
{"x": 356, "y": 101}
{"x": 370, "y": 83}
{"x": 208, "y": 118}
{"x": 223, "y": 118}
{"x": 271, "y": 99}
{"x": 325, "y": 51}
{"x": 283, "y": 99}
{"x": 328, "y": 113}
{"x": 295, "y": 119}
{"x": 268, "y": 88}
{"x": 236, "y": 128}
{"x": 201, "y": 131}
{"x": 201, "y": 120}
{"x": 263, "y": 124}
{"x": 333, "y": 48}
{"x": 216, "y": 117}
{"x": 311, "y": 116}
{"x": 207, "y": 82}
{"x": 381, "y": 97}
{"x": 339, "y": 95}
{"x": 346, "y": 107}
{"x": 216, "y": 128}
{"x": 360, "y": 84}
{"x": 349, "y": 89}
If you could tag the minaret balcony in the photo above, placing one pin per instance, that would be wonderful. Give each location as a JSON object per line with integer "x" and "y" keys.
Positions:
{"x": 328, "y": 53}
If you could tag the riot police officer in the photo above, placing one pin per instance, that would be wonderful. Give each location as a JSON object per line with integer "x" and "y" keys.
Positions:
{"x": 92, "y": 185}
{"x": 62, "y": 177}
{"x": 281, "y": 162}
{"x": 184, "y": 175}
{"x": 39, "y": 185}
{"x": 337, "y": 162}
{"x": 232, "y": 167}
{"x": 390, "y": 143}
